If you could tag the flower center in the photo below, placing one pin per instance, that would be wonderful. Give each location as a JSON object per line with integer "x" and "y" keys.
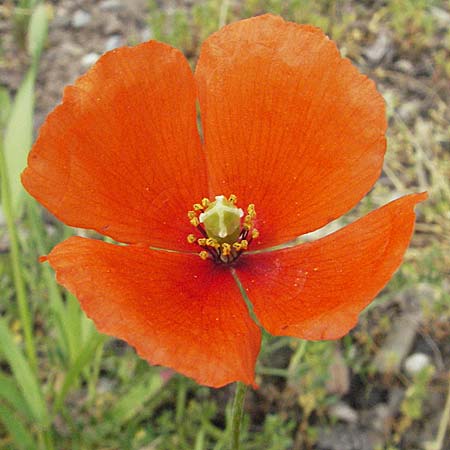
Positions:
{"x": 225, "y": 231}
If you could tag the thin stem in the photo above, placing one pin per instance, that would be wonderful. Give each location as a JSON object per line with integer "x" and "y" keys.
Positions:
{"x": 272, "y": 371}
{"x": 180, "y": 408}
{"x": 19, "y": 284}
{"x": 237, "y": 414}
{"x": 223, "y": 12}
{"x": 297, "y": 357}
{"x": 443, "y": 425}
{"x": 181, "y": 401}
{"x": 93, "y": 379}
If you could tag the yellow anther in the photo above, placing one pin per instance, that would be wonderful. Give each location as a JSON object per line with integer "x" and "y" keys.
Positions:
{"x": 237, "y": 246}
{"x": 194, "y": 221}
{"x": 211, "y": 242}
{"x": 232, "y": 199}
{"x": 222, "y": 225}
{"x": 226, "y": 249}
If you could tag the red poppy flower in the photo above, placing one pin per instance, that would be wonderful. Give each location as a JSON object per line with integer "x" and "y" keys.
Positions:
{"x": 289, "y": 127}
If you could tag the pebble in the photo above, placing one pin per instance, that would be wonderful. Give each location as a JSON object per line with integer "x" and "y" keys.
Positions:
{"x": 146, "y": 34}
{"x": 403, "y": 65}
{"x": 400, "y": 339}
{"x": 71, "y": 48}
{"x": 113, "y": 42}
{"x": 339, "y": 379}
{"x": 89, "y": 59}
{"x": 110, "y": 5}
{"x": 342, "y": 411}
{"x": 416, "y": 362}
{"x": 442, "y": 17}
{"x": 383, "y": 43}
{"x": 113, "y": 25}
{"x": 409, "y": 109}
{"x": 80, "y": 18}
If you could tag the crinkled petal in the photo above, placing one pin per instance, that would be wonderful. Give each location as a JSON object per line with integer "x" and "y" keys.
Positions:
{"x": 289, "y": 125}
{"x": 175, "y": 309}
{"x": 121, "y": 154}
{"x": 316, "y": 290}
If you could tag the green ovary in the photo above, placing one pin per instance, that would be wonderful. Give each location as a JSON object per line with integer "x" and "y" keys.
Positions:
{"x": 222, "y": 220}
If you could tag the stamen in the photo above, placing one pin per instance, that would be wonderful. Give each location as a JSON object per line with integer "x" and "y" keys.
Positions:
{"x": 194, "y": 221}
{"x": 237, "y": 246}
{"x": 211, "y": 242}
{"x": 226, "y": 249}
{"x": 224, "y": 228}
{"x": 232, "y": 199}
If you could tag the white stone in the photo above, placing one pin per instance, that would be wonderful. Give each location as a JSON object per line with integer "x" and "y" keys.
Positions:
{"x": 89, "y": 59}
{"x": 416, "y": 362}
{"x": 343, "y": 411}
{"x": 113, "y": 42}
{"x": 110, "y": 5}
{"x": 80, "y": 18}
{"x": 146, "y": 34}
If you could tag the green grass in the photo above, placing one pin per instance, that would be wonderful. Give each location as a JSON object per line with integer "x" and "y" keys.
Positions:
{"x": 63, "y": 385}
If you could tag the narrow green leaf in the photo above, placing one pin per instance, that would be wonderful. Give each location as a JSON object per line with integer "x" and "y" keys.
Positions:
{"x": 85, "y": 356}
{"x": 19, "y": 137}
{"x": 5, "y": 106}
{"x": 56, "y": 303}
{"x": 27, "y": 4}
{"x": 12, "y": 395}
{"x": 37, "y": 31}
{"x": 72, "y": 323}
{"x": 19, "y": 433}
{"x": 134, "y": 400}
{"x": 26, "y": 380}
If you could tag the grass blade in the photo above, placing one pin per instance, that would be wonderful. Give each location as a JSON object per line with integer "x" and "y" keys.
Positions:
{"x": 19, "y": 137}
{"x": 19, "y": 284}
{"x": 85, "y": 355}
{"x": 37, "y": 32}
{"x": 134, "y": 400}
{"x": 11, "y": 395}
{"x": 24, "y": 376}
{"x": 5, "y": 106}
{"x": 17, "y": 430}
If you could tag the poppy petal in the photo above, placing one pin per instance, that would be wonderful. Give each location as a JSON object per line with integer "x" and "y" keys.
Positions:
{"x": 175, "y": 309}
{"x": 289, "y": 125}
{"x": 122, "y": 154}
{"x": 316, "y": 290}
